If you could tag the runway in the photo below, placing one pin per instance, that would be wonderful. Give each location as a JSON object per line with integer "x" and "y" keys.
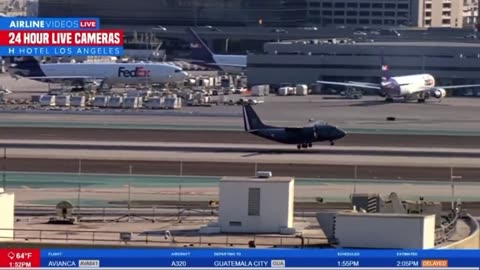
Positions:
{"x": 240, "y": 148}
{"x": 452, "y": 115}
{"x": 231, "y": 164}
{"x": 229, "y": 137}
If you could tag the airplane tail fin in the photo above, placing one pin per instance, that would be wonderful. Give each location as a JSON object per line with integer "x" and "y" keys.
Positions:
{"x": 28, "y": 65}
{"x": 251, "y": 119}
{"x": 200, "y": 50}
{"x": 385, "y": 69}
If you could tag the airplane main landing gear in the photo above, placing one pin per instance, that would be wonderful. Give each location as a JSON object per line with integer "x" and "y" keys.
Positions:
{"x": 421, "y": 100}
{"x": 305, "y": 145}
{"x": 389, "y": 99}
{"x": 332, "y": 143}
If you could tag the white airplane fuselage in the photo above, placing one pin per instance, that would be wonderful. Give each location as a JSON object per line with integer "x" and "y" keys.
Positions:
{"x": 127, "y": 73}
{"x": 407, "y": 85}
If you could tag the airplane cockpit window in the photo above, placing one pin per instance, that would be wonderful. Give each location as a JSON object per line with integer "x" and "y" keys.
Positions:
{"x": 178, "y": 70}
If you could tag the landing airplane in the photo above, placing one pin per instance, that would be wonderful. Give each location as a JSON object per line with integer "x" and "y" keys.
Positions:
{"x": 202, "y": 55}
{"x": 111, "y": 73}
{"x": 303, "y": 137}
{"x": 418, "y": 86}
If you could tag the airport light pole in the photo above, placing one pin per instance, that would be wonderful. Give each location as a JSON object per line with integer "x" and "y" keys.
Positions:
{"x": 129, "y": 189}
{"x": 79, "y": 186}
{"x": 4, "y": 175}
{"x": 355, "y": 179}
{"x": 452, "y": 182}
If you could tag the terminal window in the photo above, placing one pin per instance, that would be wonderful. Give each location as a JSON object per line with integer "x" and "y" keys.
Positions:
{"x": 254, "y": 201}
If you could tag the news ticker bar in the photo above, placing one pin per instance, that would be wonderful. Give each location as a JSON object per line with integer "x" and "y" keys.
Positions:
{"x": 238, "y": 258}
{"x": 243, "y": 268}
{"x": 307, "y": 262}
{"x": 24, "y": 36}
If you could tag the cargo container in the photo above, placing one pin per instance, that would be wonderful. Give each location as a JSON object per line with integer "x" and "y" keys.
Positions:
{"x": 301, "y": 90}
{"x": 260, "y": 90}
{"x": 47, "y": 100}
{"x": 154, "y": 103}
{"x": 63, "y": 101}
{"x": 115, "y": 102}
{"x": 132, "y": 102}
{"x": 36, "y": 98}
{"x": 77, "y": 101}
{"x": 101, "y": 101}
{"x": 172, "y": 102}
{"x": 285, "y": 91}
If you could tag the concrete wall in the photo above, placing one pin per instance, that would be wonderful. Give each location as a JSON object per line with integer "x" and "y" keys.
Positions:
{"x": 362, "y": 230}
{"x": 7, "y": 216}
{"x": 276, "y": 206}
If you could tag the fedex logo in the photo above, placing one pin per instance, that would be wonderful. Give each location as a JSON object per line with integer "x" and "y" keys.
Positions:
{"x": 137, "y": 72}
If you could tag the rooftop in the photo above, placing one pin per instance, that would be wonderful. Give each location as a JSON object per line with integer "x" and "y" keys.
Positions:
{"x": 257, "y": 179}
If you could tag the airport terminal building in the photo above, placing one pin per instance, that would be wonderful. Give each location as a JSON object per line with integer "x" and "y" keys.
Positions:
{"x": 418, "y": 13}
{"x": 180, "y": 12}
{"x": 306, "y": 61}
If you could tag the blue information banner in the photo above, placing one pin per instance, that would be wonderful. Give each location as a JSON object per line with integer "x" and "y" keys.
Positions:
{"x": 62, "y": 51}
{"x": 259, "y": 258}
{"x": 36, "y": 23}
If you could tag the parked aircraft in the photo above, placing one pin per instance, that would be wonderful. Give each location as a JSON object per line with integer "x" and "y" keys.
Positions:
{"x": 111, "y": 73}
{"x": 303, "y": 137}
{"x": 202, "y": 55}
{"x": 418, "y": 86}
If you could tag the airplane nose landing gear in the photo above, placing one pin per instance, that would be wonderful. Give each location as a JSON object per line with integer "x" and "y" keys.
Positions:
{"x": 310, "y": 145}
{"x": 299, "y": 146}
{"x": 332, "y": 143}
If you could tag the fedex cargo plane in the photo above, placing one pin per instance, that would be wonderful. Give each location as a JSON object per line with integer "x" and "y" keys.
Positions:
{"x": 202, "y": 55}
{"x": 111, "y": 73}
{"x": 417, "y": 86}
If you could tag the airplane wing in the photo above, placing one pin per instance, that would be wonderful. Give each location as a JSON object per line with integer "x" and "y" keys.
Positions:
{"x": 202, "y": 63}
{"x": 458, "y": 86}
{"x": 217, "y": 64}
{"x": 366, "y": 83}
{"x": 354, "y": 84}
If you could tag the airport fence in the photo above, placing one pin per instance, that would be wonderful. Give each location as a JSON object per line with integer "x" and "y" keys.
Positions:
{"x": 149, "y": 213}
{"x": 448, "y": 229}
{"x": 156, "y": 238}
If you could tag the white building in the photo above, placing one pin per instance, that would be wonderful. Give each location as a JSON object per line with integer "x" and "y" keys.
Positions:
{"x": 256, "y": 205}
{"x": 380, "y": 230}
{"x": 7, "y": 217}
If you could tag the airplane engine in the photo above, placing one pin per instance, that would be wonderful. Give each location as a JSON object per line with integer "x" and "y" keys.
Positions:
{"x": 439, "y": 93}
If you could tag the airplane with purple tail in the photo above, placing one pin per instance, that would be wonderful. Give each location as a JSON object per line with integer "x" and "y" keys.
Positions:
{"x": 417, "y": 86}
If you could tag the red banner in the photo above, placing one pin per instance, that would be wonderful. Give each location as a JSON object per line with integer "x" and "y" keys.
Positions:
{"x": 62, "y": 38}
{"x": 20, "y": 258}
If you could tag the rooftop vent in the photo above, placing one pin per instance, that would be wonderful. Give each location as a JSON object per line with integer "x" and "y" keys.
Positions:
{"x": 264, "y": 174}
